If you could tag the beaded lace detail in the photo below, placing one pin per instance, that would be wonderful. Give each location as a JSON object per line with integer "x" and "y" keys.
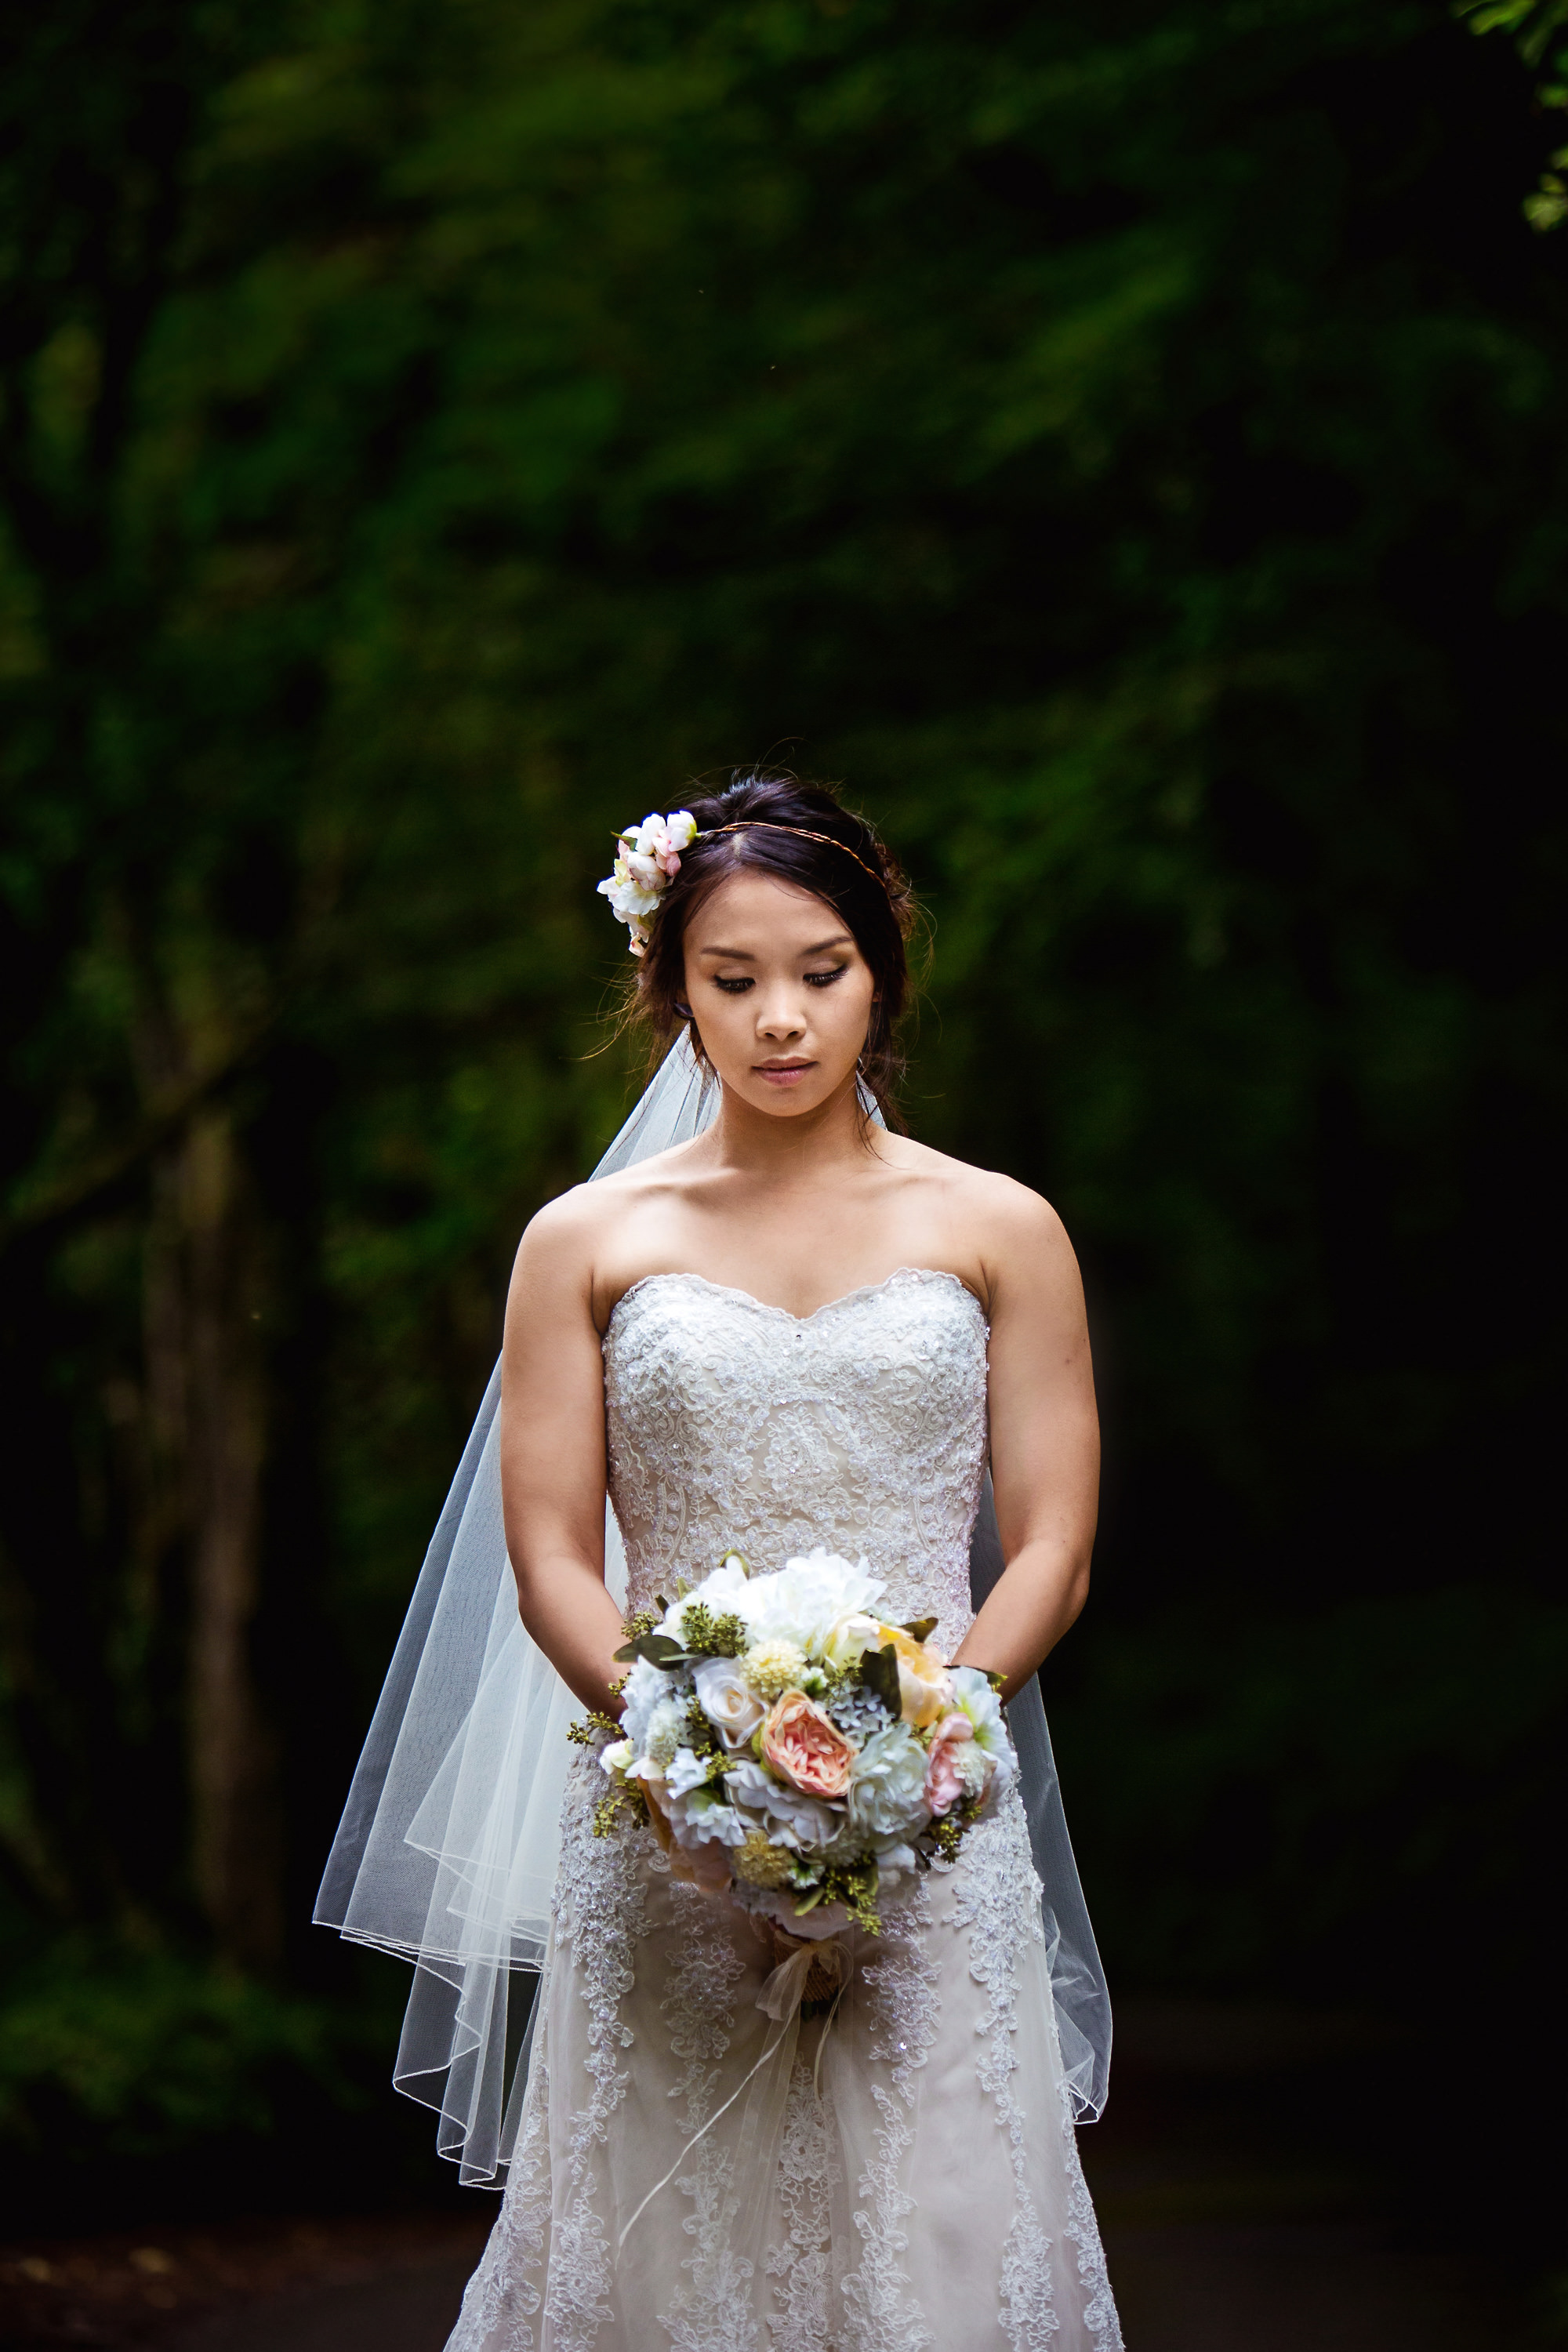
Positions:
{"x": 809, "y": 2172}
{"x": 862, "y": 1428}
{"x": 882, "y": 2315}
{"x": 794, "y": 2208}
{"x": 713, "y": 2313}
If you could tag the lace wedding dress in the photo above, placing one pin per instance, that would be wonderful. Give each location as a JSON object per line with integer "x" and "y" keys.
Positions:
{"x": 899, "y": 2174}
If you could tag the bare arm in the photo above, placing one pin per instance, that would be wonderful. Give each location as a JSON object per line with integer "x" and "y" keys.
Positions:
{"x": 1044, "y": 1445}
{"x": 553, "y": 1454}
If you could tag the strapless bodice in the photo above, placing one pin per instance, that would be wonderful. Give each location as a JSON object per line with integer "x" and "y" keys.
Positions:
{"x": 735, "y": 1425}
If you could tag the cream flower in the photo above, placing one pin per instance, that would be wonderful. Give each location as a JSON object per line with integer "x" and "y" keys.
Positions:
{"x": 665, "y": 1733}
{"x": 925, "y": 1687}
{"x": 851, "y": 1637}
{"x": 731, "y": 1706}
{"x": 761, "y": 1863}
{"x": 770, "y": 1668}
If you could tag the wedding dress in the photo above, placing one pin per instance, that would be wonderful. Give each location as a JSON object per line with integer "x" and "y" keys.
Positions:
{"x": 897, "y": 2172}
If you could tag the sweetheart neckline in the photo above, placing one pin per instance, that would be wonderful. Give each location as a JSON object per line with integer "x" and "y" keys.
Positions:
{"x": 765, "y": 1307}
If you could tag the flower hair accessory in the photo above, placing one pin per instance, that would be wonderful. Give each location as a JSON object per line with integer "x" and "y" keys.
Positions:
{"x": 648, "y": 859}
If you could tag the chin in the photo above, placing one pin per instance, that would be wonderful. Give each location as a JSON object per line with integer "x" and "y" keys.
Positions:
{"x": 785, "y": 1102}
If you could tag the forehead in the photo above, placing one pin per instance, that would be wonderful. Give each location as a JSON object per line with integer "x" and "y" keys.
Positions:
{"x": 753, "y": 909}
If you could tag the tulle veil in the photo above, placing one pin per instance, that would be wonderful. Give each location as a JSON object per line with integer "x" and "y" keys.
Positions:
{"x": 447, "y": 1849}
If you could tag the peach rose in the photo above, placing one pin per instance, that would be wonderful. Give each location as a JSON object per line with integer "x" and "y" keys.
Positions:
{"x": 945, "y": 1781}
{"x": 807, "y": 1749}
{"x": 924, "y": 1690}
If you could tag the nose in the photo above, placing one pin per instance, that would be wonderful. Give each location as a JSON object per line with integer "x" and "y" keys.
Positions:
{"x": 779, "y": 1016}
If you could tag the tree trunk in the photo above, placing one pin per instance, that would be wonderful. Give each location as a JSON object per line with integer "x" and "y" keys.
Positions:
{"x": 208, "y": 1376}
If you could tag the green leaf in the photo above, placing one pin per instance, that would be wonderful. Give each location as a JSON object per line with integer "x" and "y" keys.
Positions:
{"x": 658, "y": 1649}
{"x": 879, "y": 1673}
{"x": 921, "y": 1629}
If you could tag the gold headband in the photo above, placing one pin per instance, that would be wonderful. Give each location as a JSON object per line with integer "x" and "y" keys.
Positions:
{"x": 763, "y": 824}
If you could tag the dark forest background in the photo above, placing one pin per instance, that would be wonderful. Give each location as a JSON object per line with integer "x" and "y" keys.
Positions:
{"x": 1126, "y": 441}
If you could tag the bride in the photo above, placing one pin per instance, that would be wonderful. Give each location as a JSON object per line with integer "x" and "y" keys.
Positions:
{"x": 795, "y": 1329}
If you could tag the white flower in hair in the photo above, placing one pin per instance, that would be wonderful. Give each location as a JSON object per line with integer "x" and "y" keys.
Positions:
{"x": 646, "y": 861}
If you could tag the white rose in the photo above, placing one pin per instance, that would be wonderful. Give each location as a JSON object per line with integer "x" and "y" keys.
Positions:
{"x": 733, "y": 1710}
{"x": 888, "y": 1790}
{"x": 849, "y": 1640}
{"x": 616, "y": 1756}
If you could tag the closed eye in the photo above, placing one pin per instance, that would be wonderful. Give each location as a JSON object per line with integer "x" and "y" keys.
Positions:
{"x": 737, "y": 985}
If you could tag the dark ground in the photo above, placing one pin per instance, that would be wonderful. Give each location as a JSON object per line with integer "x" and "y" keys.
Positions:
{"x": 1251, "y": 2200}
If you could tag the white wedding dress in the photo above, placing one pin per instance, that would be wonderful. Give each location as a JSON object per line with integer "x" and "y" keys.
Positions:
{"x": 901, "y": 2175}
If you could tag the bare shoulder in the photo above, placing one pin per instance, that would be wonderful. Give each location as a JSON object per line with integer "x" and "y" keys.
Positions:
{"x": 567, "y": 1236}
{"x": 1006, "y": 1217}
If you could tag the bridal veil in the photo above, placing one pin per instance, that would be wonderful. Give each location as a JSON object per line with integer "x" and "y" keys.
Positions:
{"x": 447, "y": 1849}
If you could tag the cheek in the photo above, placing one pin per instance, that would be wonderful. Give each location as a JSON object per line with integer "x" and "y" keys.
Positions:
{"x": 851, "y": 1002}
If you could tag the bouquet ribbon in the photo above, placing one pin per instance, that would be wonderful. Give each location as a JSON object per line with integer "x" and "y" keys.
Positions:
{"x": 785, "y": 1989}
{"x": 781, "y": 1994}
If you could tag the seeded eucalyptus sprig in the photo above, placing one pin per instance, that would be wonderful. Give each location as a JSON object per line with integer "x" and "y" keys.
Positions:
{"x": 703, "y": 1636}
{"x": 588, "y": 1728}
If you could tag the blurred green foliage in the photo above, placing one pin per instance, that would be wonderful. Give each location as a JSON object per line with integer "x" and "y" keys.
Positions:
{"x": 1126, "y": 444}
{"x": 1535, "y": 26}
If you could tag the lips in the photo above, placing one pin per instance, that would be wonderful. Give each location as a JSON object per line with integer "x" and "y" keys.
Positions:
{"x": 783, "y": 1074}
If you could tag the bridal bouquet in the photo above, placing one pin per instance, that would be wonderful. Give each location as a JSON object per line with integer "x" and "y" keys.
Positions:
{"x": 792, "y": 1748}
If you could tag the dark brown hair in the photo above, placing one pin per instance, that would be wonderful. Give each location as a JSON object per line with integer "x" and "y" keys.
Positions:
{"x": 846, "y": 866}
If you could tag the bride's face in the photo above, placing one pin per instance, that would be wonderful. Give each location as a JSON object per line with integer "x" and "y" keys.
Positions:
{"x": 782, "y": 994}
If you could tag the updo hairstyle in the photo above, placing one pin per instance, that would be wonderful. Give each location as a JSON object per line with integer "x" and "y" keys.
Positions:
{"x": 860, "y": 881}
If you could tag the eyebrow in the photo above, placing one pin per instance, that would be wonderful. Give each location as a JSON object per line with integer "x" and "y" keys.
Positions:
{"x": 744, "y": 955}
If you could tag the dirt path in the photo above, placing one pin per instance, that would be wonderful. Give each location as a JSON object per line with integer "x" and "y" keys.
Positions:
{"x": 1248, "y": 2205}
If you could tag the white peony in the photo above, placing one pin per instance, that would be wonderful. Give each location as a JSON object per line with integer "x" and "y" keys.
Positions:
{"x": 731, "y": 1705}
{"x": 886, "y": 1794}
{"x": 806, "y": 1599}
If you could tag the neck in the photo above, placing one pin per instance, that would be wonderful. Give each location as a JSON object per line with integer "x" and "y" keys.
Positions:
{"x": 807, "y": 1144}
